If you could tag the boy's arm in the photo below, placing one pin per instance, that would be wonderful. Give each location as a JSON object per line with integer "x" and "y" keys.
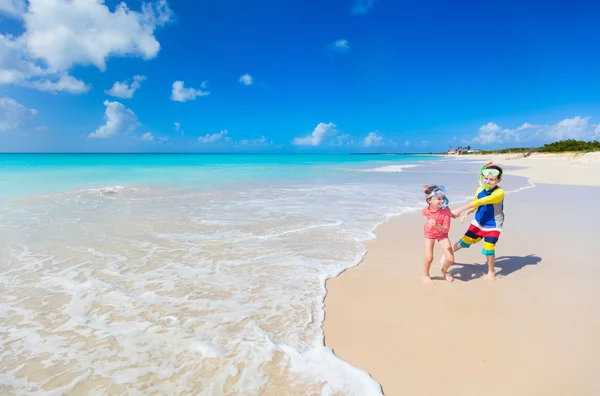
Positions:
{"x": 496, "y": 197}
{"x": 452, "y": 215}
{"x": 467, "y": 215}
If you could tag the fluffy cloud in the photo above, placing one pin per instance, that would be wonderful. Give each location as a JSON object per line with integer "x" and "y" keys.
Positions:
{"x": 61, "y": 34}
{"x": 246, "y": 79}
{"x": 317, "y": 135}
{"x": 340, "y": 45}
{"x": 257, "y": 142}
{"x": 119, "y": 119}
{"x": 373, "y": 139}
{"x": 14, "y": 8}
{"x": 569, "y": 128}
{"x": 14, "y": 115}
{"x": 18, "y": 68}
{"x": 341, "y": 140}
{"x": 211, "y": 138}
{"x": 181, "y": 94}
{"x": 407, "y": 143}
{"x": 361, "y": 6}
{"x": 68, "y": 33}
{"x": 148, "y": 136}
{"x": 125, "y": 90}
{"x": 178, "y": 127}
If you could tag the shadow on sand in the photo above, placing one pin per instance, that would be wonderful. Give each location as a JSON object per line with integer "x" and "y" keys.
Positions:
{"x": 505, "y": 265}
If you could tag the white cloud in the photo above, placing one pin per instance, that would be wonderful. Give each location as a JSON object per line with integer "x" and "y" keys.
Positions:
{"x": 14, "y": 8}
{"x": 210, "y": 138}
{"x": 14, "y": 115}
{"x": 68, "y": 33}
{"x": 182, "y": 94}
{"x": 342, "y": 139}
{"x": 61, "y": 34}
{"x": 407, "y": 143}
{"x": 361, "y": 6}
{"x": 63, "y": 82}
{"x": 597, "y": 130}
{"x": 148, "y": 136}
{"x": 246, "y": 79}
{"x": 314, "y": 139}
{"x": 18, "y": 68}
{"x": 570, "y": 128}
{"x": 163, "y": 139}
{"x": 178, "y": 127}
{"x": 119, "y": 119}
{"x": 492, "y": 133}
{"x": 340, "y": 45}
{"x": 125, "y": 90}
{"x": 373, "y": 139}
{"x": 260, "y": 141}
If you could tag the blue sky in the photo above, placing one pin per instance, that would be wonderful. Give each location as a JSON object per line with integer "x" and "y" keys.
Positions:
{"x": 296, "y": 75}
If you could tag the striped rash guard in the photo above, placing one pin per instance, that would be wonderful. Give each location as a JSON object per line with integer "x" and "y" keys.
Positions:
{"x": 490, "y": 208}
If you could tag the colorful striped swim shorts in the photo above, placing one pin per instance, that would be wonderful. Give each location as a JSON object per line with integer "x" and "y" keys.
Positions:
{"x": 476, "y": 233}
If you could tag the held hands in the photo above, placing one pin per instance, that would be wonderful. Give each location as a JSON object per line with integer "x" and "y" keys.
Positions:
{"x": 462, "y": 219}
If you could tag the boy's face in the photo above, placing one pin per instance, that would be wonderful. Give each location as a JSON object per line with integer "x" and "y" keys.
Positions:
{"x": 491, "y": 181}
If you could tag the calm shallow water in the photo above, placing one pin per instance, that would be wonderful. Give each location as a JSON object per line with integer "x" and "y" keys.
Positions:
{"x": 190, "y": 274}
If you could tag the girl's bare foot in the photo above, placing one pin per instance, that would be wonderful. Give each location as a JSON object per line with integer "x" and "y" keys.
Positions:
{"x": 427, "y": 280}
{"x": 491, "y": 275}
{"x": 448, "y": 277}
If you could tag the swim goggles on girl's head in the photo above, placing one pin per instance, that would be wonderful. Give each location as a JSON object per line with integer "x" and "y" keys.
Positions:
{"x": 487, "y": 172}
{"x": 439, "y": 191}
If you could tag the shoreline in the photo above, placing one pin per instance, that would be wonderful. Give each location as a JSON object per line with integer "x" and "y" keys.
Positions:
{"x": 380, "y": 317}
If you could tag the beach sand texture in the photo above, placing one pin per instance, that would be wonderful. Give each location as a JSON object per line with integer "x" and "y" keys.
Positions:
{"x": 534, "y": 331}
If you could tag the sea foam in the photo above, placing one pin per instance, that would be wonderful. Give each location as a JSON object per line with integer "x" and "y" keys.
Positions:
{"x": 210, "y": 291}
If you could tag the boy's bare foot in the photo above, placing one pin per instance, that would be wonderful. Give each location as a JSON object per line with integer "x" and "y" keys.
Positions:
{"x": 491, "y": 276}
{"x": 448, "y": 277}
{"x": 427, "y": 280}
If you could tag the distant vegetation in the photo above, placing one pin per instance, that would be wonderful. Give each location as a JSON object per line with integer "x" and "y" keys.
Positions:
{"x": 570, "y": 145}
{"x": 562, "y": 146}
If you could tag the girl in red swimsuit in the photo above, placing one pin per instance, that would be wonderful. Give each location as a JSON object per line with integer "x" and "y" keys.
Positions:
{"x": 436, "y": 228}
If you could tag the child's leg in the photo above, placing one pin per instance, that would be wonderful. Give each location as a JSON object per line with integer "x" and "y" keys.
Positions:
{"x": 466, "y": 241}
{"x": 491, "y": 260}
{"x": 448, "y": 258}
{"x": 489, "y": 251}
{"x": 428, "y": 259}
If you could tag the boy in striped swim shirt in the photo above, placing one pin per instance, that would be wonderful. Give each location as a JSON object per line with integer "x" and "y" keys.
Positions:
{"x": 488, "y": 206}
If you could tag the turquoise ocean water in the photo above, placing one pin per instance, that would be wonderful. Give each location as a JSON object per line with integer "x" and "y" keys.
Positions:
{"x": 191, "y": 274}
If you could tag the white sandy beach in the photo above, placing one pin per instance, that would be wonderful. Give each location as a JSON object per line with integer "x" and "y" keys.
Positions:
{"x": 534, "y": 331}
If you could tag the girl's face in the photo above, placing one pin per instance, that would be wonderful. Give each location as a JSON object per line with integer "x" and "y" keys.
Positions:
{"x": 436, "y": 201}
